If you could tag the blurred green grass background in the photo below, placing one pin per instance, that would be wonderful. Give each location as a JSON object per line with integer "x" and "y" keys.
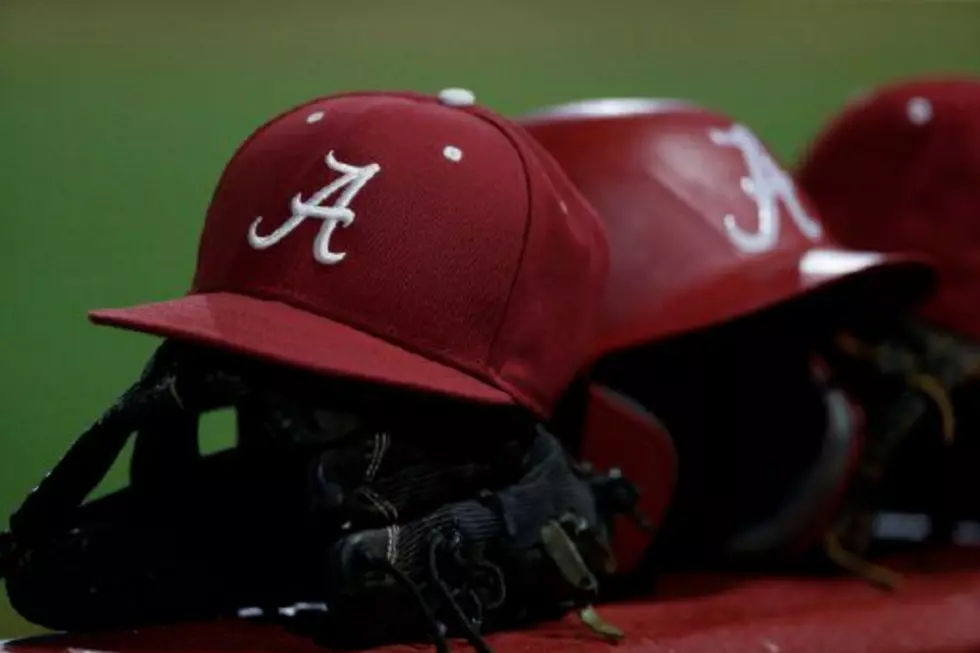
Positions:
{"x": 117, "y": 116}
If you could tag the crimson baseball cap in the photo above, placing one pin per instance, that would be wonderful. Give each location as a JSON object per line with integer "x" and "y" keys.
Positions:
{"x": 398, "y": 238}
{"x": 704, "y": 224}
{"x": 899, "y": 170}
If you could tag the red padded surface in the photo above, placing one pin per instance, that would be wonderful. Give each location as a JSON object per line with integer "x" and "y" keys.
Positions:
{"x": 936, "y": 611}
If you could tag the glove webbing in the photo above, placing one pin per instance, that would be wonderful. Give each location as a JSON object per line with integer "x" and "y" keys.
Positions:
{"x": 925, "y": 367}
{"x": 154, "y": 398}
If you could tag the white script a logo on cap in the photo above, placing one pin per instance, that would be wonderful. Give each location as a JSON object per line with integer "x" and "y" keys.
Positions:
{"x": 768, "y": 185}
{"x": 351, "y": 181}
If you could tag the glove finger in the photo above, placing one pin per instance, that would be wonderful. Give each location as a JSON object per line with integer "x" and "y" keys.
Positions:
{"x": 382, "y": 479}
{"x": 233, "y": 535}
{"x": 476, "y": 551}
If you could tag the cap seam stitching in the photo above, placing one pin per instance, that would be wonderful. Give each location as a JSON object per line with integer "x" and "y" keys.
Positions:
{"x": 492, "y": 347}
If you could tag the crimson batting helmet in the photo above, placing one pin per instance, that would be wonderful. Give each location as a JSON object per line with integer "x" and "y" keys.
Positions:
{"x": 724, "y": 288}
{"x": 704, "y": 223}
{"x": 899, "y": 170}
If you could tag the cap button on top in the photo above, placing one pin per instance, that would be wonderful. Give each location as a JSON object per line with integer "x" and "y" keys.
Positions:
{"x": 457, "y": 97}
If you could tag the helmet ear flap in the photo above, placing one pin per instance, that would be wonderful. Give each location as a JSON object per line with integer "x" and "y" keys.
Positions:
{"x": 623, "y": 438}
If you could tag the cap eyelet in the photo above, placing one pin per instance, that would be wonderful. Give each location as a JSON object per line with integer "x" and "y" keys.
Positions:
{"x": 452, "y": 153}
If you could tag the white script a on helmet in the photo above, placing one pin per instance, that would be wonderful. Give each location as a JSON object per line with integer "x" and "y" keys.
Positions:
{"x": 352, "y": 179}
{"x": 768, "y": 185}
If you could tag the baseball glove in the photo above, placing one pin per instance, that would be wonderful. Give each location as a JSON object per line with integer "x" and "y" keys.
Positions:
{"x": 407, "y": 517}
{"x": 920, "y": 389}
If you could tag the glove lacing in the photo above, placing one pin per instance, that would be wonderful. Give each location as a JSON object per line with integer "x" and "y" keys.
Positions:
{"x": 469, "y": 580}
{"x": 874, "y": 461}
{"x": 480, "y": 585}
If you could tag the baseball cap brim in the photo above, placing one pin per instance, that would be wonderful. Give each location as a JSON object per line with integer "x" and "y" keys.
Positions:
{"x": 278, "y": 333}
{"x": 854, "y": 280}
